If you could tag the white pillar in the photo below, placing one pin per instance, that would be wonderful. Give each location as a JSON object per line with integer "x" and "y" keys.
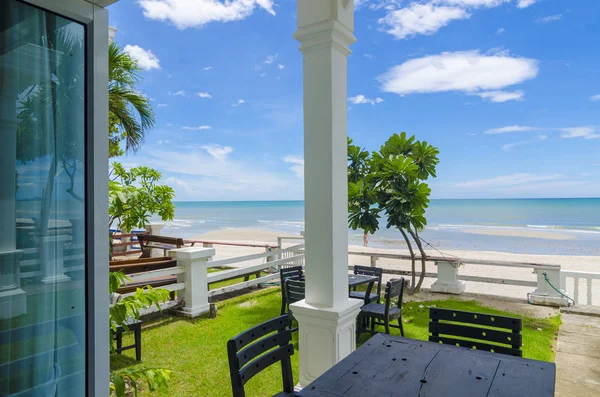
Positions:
{"x": 447, "y": 279}
{"x": 52, "y": 258}
{"x": 12, "y": 297}
{"x": 155, "y": 229}
{"x": 544, "y": 294}
{"x": 194, "y": 260}
{"x": 327, "y": 317}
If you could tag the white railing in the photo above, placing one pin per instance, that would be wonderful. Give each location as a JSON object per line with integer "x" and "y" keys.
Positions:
{"x": 546, "y": 279}
{"x": 580, "y": 286}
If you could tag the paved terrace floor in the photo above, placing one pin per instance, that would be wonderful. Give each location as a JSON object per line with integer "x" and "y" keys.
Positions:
{"x": 578, "y": 356}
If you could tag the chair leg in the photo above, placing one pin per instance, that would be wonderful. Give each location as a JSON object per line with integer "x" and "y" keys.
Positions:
{"x": 387, "y": 326}
{"x": 138, "y": 342}
{"x": 401, "y": 326}
{"x": 372, "y": 325}
{"x": 119, "y": 338}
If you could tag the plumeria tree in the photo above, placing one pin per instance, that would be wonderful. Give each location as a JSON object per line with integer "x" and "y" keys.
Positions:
{"x": 392, "y": 181}
{"x": 135, "y": 195}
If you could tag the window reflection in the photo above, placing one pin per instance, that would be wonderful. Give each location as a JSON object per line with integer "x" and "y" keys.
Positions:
{"x": 42, "y": 226}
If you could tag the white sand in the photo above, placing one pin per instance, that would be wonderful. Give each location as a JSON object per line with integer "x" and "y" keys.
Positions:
{"x": 569, "y": 262}
{"x": 522, "y": 233}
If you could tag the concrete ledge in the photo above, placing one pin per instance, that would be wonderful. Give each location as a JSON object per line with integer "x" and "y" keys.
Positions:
{"x": 583, "y": 310}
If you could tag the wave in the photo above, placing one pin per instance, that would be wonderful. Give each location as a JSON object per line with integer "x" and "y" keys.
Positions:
{"x": 297, "y": 224}
{"x": 549, "y": 228}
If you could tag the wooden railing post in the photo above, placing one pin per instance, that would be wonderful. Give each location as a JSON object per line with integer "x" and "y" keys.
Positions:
{"x": 156, "y": 230}
{"x": 195, "y": 261}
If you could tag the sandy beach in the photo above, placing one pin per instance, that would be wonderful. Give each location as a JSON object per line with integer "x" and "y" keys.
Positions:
{"x": 568, "y": 262}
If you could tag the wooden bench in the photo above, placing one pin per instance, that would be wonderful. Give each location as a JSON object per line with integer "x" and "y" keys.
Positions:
{"x": 150, "y": 241}
{"x": 141, "y": 265}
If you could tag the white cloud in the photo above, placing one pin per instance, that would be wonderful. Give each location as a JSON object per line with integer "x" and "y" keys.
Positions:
{"x": 263, "y": 74}
{"x": 196, "y": 13}
{"x": 207, "y": 68}
{"x": 217, "y": 151}
{"x": 510, "y": 128}
{"x": 238, "y": 103}
{"x": 270, "y": 59}
{"x": 509, "y": 180}
{"x": 368, "y": 56}
{"x": 525, "y": 3}
{"x": 594, "y": 98}
{"x": 281, "y": 66}
{"x": 538, "y": 139}
{"x": 502, "y": 96}
{"x": 467, "y": 71}
{"x": 361, "y": 100}
{"x": 420, "y": 19}
{"x": 549, "y": 18}
{"x": 144, "y": 58}
{"x": 500, "y": 31}
{"x": 160, "y": 142}
{"x": 199, "y": 128}
{"x": 579, "y": 132}
{"x": 162, "y": 105}
{"x": 476, "y": 3}
{"x": 298, "y": 165}
{"x": 204, "y": 95}
{"x": 179, "y": 93}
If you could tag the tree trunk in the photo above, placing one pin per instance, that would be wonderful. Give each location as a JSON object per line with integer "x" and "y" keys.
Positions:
{"x": 415, "y": 236}
{"x": 413, "y": 260}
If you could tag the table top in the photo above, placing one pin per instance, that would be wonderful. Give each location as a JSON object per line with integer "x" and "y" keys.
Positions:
{"x": 394, "y": 366}
{"x": 358, "y": 279}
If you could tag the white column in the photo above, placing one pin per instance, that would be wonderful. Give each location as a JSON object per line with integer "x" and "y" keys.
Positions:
{"x": 447, "y": 279}
{"x": 12, "y": 297}
{"x": 194, "y": 260}
{"x": 327, "y": 317}
{"x": 52, "y": 258}
{"x": 544, "y": 294}
{"x": 155, "y": 229}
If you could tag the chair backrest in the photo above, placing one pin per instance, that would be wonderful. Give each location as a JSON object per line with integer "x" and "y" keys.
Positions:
{"x": 371, "y": 271}
{"x": 445, "y": 327}
{"x": 258, "y": 348}
{"x": 394, "y": 292}
{"x": 290, "y": 272}
{"x": 295, "y": 290}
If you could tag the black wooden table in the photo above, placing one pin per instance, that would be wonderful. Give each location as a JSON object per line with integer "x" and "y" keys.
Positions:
{"x": 394, "y": 366}
{"x": 358, "y": 279}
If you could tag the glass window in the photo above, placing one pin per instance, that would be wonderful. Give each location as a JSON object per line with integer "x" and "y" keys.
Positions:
{"x": 42, "y": 203}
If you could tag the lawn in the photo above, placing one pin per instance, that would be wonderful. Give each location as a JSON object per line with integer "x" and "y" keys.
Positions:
{"x": 196, "y": 350}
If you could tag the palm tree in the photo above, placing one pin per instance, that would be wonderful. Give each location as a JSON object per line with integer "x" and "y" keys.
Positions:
{"x": 130, "y": 113}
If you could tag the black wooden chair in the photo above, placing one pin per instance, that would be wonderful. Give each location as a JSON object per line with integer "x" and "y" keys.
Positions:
{"x": 368, "y": 296}
{"x": 384, "y": 314}
{"x": 448, "y": 327}
{"x": 258, "y": 348}
{"x": 294, "y": 272}
{"x": 136, "y": 328}
{"x": 294, "y": 291}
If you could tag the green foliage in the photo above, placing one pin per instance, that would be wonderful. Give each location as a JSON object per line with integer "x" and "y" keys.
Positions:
{"x": 130, "y": 113}
{"x": 392, "y": 181}
{"x": 121, "y": 313}
{"x": 135, "y": 195}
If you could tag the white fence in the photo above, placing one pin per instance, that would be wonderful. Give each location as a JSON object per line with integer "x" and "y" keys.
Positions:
{"x": 580, "y": 286}
{"x": 193, "y": 277}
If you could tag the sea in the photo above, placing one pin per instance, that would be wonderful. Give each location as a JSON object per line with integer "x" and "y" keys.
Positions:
{"x": 483, "y": 225}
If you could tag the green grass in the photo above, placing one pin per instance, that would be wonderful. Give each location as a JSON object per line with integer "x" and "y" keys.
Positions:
{"x": 196, "y": 350}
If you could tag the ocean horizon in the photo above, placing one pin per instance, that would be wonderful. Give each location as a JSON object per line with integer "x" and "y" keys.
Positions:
{"x": 534, "y": 226}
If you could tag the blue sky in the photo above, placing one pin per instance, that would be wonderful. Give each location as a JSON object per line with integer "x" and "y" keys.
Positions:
{"x": 509, "y": 90}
